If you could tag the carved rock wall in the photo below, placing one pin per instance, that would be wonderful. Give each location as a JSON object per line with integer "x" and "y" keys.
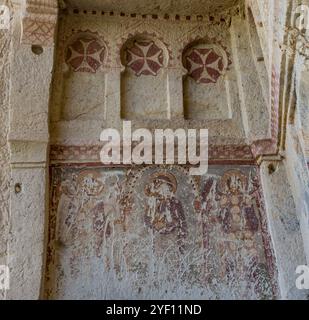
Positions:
{"x": 159, "y": 71}
{"x": 108, "y": 234}
{"x": 118, "y": 230}
{"x": 5, "y": 40}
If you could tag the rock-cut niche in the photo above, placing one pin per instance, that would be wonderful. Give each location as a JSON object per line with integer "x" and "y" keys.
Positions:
{"x": 84, "y": 56}
{"x": 205, "y": 87}
{"x": 144, "y": 92}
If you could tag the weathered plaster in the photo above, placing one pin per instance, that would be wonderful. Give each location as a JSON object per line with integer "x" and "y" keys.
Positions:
{"x": 154, "y": 233}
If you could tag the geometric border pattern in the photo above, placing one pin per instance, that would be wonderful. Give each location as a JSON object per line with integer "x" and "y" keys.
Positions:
{"x": 92, "y": 153}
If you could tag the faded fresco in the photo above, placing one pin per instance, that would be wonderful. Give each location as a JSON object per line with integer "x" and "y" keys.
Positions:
{"x": 158, "y": 233}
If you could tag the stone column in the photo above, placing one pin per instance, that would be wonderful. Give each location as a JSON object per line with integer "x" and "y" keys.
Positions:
{"x": 284, "y": 227}
{"x": 175, "y": 94}
{"x": 32, "y": 56}
{"x": 113, "y": 97}
{"x": 296, "y": 144}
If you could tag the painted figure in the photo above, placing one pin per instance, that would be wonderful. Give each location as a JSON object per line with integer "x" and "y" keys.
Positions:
{"x": 164, "y": 212}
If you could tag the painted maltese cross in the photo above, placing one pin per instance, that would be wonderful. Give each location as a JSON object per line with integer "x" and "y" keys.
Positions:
{"x": 85, "y": 55}
{"x": 205, "y": 65}
{"x": 145, "y": 58}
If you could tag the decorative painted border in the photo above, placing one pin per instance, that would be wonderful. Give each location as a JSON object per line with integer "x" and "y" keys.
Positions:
{"x": 39, "y": 20}
{"x": 92, "y": 153}
{"x": 268, "y": 247}
{"x": 212, "y": 18}
{"x": 270, "y": 146}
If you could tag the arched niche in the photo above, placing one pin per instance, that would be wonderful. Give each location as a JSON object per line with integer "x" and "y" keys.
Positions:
{"x": 205, "y": 89}
{"x": 144, "y": 92}
{"x": 84, "y": 81}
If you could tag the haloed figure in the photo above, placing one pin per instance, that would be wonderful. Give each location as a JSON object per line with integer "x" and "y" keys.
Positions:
{"x": 164, "y": 212}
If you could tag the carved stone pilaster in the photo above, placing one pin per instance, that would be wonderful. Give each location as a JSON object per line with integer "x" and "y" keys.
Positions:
{"x": 30, "y": 82}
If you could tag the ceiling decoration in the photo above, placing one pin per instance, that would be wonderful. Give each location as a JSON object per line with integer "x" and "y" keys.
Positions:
{"x": 182, "y": 7}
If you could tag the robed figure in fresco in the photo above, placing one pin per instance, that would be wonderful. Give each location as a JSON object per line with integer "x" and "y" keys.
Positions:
{"x": 164, "y": 213}
{"x": 232, "y": 231}
{"x": 87, "y": 214}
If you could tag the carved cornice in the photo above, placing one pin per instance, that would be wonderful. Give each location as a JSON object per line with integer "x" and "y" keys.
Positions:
{"x": 91, "y": 154}
{"x": 222, "y": 18}
{"x": 39, "y": 20}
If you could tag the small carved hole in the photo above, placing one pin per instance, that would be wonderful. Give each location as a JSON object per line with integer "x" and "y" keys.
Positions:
{"x": 17, "y": 188}
{"x": 37, "y": 50}
{"x": 272, "y": 168}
